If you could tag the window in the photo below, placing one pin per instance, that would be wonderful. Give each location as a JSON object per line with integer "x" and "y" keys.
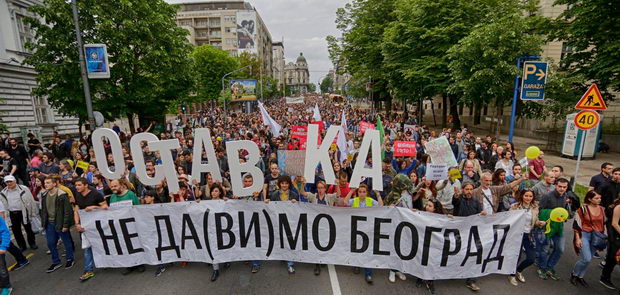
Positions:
{"x": 233, "y": 52}
{"x": 201, "y": 33}
{"x": 42, "y": 111}
{"x": 230, "y": 18}
{"x": 231, "y": 41}
{"x": 24, "y": 31}
{"x": 566, "y": 50}
{"x": 201, "y": 22}
{"x": 186, "y": 22}
{"x": 214, "y": 22}
{"x": 231, "y": 30}
{"x": 216, "y": 34}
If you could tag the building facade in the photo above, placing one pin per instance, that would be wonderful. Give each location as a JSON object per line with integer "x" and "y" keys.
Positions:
{"x": 233, "y": 26}
{"x": 21, "y": 112}
{"x": 278, "y": 62}
{"x": 297, "y": 76}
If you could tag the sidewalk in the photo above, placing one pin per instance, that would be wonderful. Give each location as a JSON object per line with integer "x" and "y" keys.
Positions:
{"x": 587, "y": 168}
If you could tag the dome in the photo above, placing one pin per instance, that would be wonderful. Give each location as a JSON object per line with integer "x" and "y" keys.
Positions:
{"x": 301, "y": 58}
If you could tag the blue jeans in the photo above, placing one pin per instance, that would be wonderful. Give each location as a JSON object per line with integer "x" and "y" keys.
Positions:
{"x": 367, "y": 271}
{"x": 585, "y": 256}
{"x": 549, "y": 258}
{"x": 290, "y": 263}
{"x": 530, "y": 253}
{"x": 89, "y": 262}
{"x": 52, "y": 239}
{"x": 257, "y": 262}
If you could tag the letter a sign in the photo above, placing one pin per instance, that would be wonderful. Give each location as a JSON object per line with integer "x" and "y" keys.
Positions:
{"x": 591, "y": 100}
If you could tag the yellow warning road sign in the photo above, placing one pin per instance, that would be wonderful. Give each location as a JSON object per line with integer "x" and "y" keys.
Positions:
{"x": 591, "y": 100}
{"x": 587, "y": 119}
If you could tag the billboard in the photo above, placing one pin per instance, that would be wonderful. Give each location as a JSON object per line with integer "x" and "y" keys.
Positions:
{"x": 246, "y": 31}
{"x": 96, "y": 56}
{"x": 243, "y": 90}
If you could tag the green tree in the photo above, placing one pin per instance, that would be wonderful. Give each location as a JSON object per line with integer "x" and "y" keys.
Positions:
{"x": 362, "y": 23}
{"x": 591, "y": 28}
{"x": 148, "y": 56}
{"x": 482, "y": 64}
{"x": 312, "y": 88}
{"x": 326, "y": 84}
{"x": 209, "y": 66}
{"x": 416, "y": 44}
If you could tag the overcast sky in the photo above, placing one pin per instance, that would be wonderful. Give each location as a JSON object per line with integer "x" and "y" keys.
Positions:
{"x": 303, "y": 24}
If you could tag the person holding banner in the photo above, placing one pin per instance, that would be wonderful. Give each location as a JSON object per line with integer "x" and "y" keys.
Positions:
{"x": 216, "y": 194}
{"x": 466, "y": 205}
{"x": 490, "y": 196}
{"x": 323, "y": 198}
{"x": 526, "y": 201}
{"x": 87, "y": 200}
{"x": 363, "y": 201}
{"x": 284, "y": 194}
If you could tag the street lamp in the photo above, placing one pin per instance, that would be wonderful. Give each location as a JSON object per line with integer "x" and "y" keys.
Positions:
{"x": 224, "y": 87}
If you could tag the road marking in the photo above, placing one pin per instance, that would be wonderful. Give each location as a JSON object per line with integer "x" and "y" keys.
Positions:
{"x": 10, "y": 268}
{"x": 333, "y": 278}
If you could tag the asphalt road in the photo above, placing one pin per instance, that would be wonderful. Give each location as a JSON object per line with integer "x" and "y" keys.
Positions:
{"x": 273, "y": 279}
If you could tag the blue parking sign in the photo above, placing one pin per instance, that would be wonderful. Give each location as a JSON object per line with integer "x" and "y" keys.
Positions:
{"x": 533, "y": 81}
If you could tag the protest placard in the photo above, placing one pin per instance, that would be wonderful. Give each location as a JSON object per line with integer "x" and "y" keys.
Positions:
{"x": 409, "y": 129}
{"x": 404, "y": 149}
{"x": 299, "y": 131}
{"x": 366, "y": 125}
{"x": 440, "y": 152}
{"x": 292, "y": 162}
{"x": 436, "y": 171}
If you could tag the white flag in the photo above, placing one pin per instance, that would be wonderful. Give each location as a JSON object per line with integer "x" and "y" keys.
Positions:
{"x": 342, "y": 139}
{"x": 316, "y": 115}
{"x": 268, "y": 121}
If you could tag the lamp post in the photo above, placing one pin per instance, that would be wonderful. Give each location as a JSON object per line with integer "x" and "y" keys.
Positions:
{"x": 78, "y": 34}
{"x": 224, "y": 87}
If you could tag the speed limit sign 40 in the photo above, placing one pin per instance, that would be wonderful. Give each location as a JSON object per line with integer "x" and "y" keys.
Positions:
{"x": 587, "y": 119}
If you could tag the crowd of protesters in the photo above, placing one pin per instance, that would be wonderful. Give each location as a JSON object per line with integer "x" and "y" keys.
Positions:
{"x": 45, "y": 186}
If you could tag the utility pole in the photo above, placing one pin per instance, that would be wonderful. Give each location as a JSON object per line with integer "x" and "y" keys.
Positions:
{"x": 78, "y": 34}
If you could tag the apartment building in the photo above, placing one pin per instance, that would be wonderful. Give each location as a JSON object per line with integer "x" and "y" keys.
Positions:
{"x": 234, "y": 26}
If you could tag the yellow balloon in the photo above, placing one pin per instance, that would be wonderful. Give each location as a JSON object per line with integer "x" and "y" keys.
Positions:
{"x": 532, "y": 152}
{"x": 559, "y": 215}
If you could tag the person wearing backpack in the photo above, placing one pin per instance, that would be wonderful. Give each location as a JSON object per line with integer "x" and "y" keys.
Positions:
{"x": 590, "y": 235}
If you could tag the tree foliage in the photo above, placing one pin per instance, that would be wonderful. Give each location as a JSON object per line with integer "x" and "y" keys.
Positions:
{"x": 326, "y": 84}
{"x": 209, "y": 66}
{"x": 591, "y": 28}
{"x": 148, "y": 56}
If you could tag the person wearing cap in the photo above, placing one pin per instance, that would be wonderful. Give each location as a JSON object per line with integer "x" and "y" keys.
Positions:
{"x": 22, "y": 209}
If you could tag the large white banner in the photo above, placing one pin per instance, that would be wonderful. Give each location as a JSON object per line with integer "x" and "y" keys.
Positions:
{"x": 426, "y": 245}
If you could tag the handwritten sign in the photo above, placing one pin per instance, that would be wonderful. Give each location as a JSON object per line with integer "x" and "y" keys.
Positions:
{"x": 440, "y": 152}
{"x": 436, "y": 171}
{"x": 366, "y": 125}
{"x": 404, "y": 149}
{"x": 292, "y": 163}
{"x": 299, "y": 131}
